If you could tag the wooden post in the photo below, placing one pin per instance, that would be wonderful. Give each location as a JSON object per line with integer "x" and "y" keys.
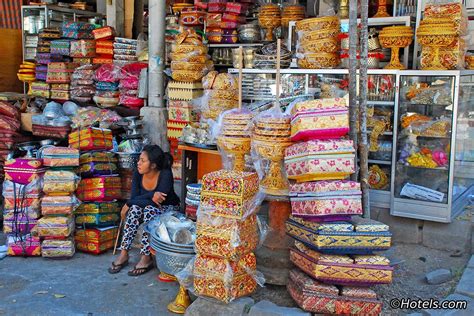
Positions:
{"x": 353, "y": 77}
{"x": 363, "y": 86}
{"x": 278, "y": 76}
{"x": 241, "y": 65}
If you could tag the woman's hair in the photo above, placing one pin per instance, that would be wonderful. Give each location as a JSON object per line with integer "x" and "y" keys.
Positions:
{"x": 156, "y": 155}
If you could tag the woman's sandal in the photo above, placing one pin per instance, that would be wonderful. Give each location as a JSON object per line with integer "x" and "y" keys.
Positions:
{"x": 139, "y": 271}
{"x": 115, "y": 268}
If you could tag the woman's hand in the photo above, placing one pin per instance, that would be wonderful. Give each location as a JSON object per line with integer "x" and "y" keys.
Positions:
{"x": 159, "y": 197}
{"x": 123, "y": 213}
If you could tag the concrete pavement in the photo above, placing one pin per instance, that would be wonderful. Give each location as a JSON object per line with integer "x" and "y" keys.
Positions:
{"x": 79, "y": 286}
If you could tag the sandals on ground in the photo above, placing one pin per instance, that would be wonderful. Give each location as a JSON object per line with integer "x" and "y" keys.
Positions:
{"x": 115, "y": 268}
{"x": 139, "y": 271}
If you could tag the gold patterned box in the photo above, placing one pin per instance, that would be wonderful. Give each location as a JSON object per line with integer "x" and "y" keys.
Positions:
{"x": 341, "y": 238}
{"x": 313, "y": 296}
{"x": 319, "y": 104}
{"x": 331, "y": 269}
{"x": 229, "y": 193}
{"x": 226, "y": 238}
{"x": 223, "y": 279}
{"x": 97, "y": 208}
{"x": 320, "y": 124}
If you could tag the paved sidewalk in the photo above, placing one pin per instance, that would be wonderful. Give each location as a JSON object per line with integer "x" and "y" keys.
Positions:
{"x": 464, "y": 292}
{"x": 79, "y": 286}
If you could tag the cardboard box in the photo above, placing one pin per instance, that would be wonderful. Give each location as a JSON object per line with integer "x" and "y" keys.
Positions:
{"x": 26, "y": 123}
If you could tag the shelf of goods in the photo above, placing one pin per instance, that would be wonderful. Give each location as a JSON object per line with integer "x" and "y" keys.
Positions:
{"x": 326, "y": 83}
{"x": 434, "y": 148}
{"x": 393, "y": 174}
{"x": 372, "y": 23}
{"x": 37, "y": 17}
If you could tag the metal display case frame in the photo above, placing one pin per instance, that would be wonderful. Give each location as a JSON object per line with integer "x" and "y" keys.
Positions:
{"x": 425, "y": 210}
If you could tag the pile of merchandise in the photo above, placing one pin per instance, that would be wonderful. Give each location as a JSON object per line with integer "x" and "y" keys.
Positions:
{"x": 330, "y": 247}
{"x": 221, "y": 93}
{"x": 57, "y": 206}
{"x": 99, "y": 189}
{"x": 193, "y": 198}
{"x": 107, "y": 84}
{"x": 22, "y": 192}
{"x": 227, "y": 234}
{"x": 104, "y": 48}
{"x": 125, "y": 50}
{"x": 318, "y": 42}
{"x": 82, "y": 83}
{"x": 9, "y": 130}
{"x": 129, "y": 85}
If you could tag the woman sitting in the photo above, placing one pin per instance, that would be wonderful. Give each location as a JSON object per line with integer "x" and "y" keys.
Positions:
{"x": 152, "y": 194}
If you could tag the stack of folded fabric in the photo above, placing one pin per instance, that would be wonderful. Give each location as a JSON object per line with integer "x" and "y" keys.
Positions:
{"x": 100, "y": 189}
{"x": 97, "y": 215}
{"x": 107, "y": 84}
{"x": 77, "y": 30}
{"x": 60, "y": 47}
{"x": 83, "y": 50}
{"x": 125, "y": 50}
{"x": 129, "y": 83}
{"x": 98, "y": 164}
{"x": 95, "y": 240}
{"x": 82, "y": 84}
{"x": 227, "y": 235}
{"x": 59, "y": 202}
{"x": 60, "y": 92}
{"x": 104, "y": 50}
{"x": 59, "y": 75}
{"x": 193, "y": 198}
{"x": 330, "y": 247}
{"x": 22, "y": 193}
{"x": 45, "y": 37}
{"x": 91, "y": 138}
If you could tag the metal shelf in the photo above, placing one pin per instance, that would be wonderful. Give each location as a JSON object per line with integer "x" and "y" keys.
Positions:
{"x": 386, "y": 103}
{"x": 380, "y": 162}
{"x": 401, "y": 20}
{"x": 62, "y": 9}
{"x": 234, "y": 45}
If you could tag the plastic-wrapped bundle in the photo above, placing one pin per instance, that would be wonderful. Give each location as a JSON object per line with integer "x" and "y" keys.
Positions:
{"x": 98, "y": 208}
{"x": 98, "y": 163}
{"x": 223, "y": 279}
{"x": 59, "y": 205}
{"x": 61, "y": 157}
{"x": 23, "y": 246}
{"x": 100, "y": 189}
{"x": 82, "y": 48}
{"x": 52, "y": 248}
{"x": 229, "y": 193}
{"x": 56, "y": 226}
{"x": 226, "y": 238}
{"x": 19, "y": 224}
{"x": 91, "y": 139}
{"x": 23, "y": 170}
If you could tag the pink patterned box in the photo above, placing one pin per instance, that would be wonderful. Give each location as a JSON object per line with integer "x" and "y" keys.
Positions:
{"x": 320, "y": 160}
{"x": 326, "y": 198}
{"x": 23, "y": 170}
{"x": 24, "y": 246}
{"x": 320, "y": 124}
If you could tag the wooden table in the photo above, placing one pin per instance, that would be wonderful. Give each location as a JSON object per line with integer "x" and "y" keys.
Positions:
{"x": 196, "y": 162}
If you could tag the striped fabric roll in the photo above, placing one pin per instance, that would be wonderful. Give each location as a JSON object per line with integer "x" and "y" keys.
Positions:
{"x": 10, "y": 14}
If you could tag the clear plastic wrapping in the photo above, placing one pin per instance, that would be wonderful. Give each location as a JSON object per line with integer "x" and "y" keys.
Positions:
{"x": 55, "y": 226}
{"x": 60, "y": 157}
{"x": 60, "y": 183}
{"x": 52, "y": 248}
{"x": 59, "y": 205}
{"x": 271, "y": 132}
{"x": 32, "y": 189}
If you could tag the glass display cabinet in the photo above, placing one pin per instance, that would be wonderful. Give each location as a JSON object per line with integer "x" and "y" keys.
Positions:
{"x": 432, "y": 164}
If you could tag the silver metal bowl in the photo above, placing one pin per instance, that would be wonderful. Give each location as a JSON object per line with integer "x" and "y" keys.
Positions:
{"x": 171, "y": 262}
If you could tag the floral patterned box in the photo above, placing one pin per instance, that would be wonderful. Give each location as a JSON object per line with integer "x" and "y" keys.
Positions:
{"x": 331, "y": 238}
{"x": 100, "y": 189}
{"x": 227, "y": 183}
{"x": 339, "y": 271}
{"x": 315, "y": 297}
{"x": 223, "y": 279}
{"x": 55, "y": 226}
{"x": 179, "y": 110}
{"x": 322, "y": 124}
{"x": 96, "y": 234}
{"x": 226, "y": 238}
{"x": 94, "y": 247}
{"x": 320, "y": 160}
{"x": 319, "y": 104}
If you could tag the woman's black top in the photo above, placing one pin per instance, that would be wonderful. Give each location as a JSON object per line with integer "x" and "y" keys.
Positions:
{"x": 142, "y": 197}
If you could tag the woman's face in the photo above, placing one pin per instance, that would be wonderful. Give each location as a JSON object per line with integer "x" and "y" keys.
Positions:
{"x": 144, "y": 164}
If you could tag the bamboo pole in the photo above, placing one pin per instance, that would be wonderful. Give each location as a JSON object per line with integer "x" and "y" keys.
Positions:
{"x": 241, "y": 65}
{"x": 353, "y": 78}
{"x": 278, "y": 76}
{"x": 363, "y": 86}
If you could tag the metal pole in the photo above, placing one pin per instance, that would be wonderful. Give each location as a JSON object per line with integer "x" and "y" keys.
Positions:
{"x": 156, "y": 51}
{"x": 363, "y": 86}
{"x": 353, "y": 76}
